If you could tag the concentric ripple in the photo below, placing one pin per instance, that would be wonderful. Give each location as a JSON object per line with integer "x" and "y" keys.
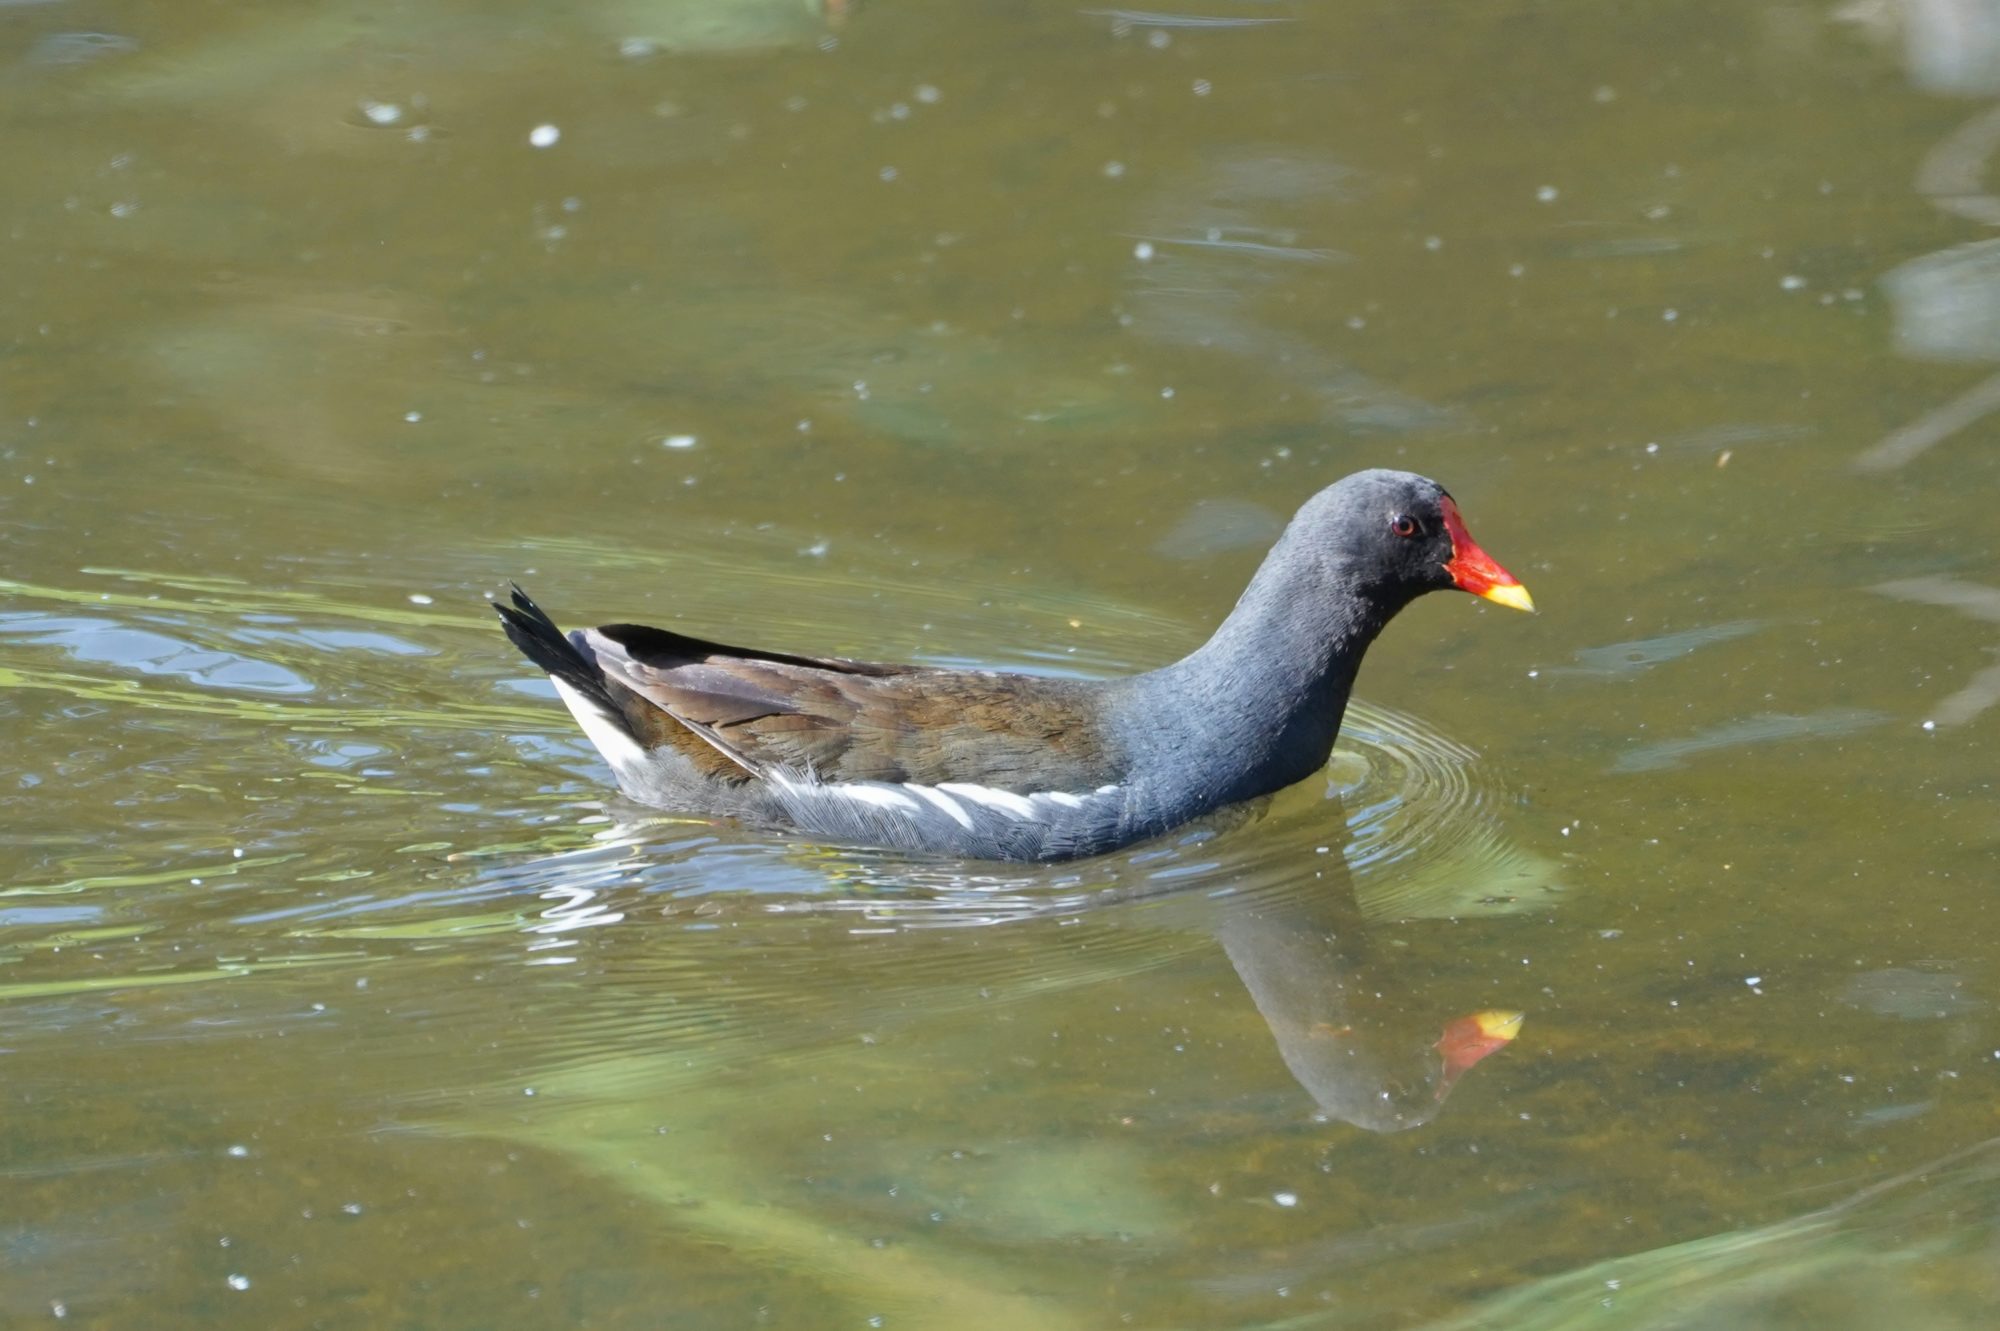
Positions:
{"x": 1419, "y": 826}
{"x": 1428, "y": 824}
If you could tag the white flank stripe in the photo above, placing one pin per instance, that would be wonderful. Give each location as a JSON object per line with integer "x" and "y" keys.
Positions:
{"x": 1062, "y": 797}
{"x": 1006, "y": 801}
{"x": 882, "y": 797}
{"x": 618, "y": 747}
{"x": 943, "y": 801}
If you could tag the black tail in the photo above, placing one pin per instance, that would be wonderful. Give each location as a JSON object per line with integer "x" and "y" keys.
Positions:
{"x": 543, "y": 643}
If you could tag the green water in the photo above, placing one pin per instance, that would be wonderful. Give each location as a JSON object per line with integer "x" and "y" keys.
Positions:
{"x": 337, "y": 988}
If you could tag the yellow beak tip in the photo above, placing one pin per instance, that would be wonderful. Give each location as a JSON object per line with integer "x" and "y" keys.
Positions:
{"x": 1513, "y": 595}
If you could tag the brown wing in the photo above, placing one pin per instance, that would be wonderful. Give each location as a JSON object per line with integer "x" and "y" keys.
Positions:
{"x": 740, "y": 713}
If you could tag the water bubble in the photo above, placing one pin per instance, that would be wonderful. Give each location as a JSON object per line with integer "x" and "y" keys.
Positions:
{"x": 544, "y": 136}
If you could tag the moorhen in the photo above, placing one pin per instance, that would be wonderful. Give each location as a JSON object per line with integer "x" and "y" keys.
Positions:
{"x": 991, "y": 765}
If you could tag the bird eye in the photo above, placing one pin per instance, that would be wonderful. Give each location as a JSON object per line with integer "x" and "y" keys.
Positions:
{"x": 1405, "y": 525}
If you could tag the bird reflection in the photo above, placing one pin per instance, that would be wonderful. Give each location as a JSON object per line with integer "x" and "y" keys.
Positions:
{"x": 1351, "y": 1030}
{"x": 1356, "y": 1030}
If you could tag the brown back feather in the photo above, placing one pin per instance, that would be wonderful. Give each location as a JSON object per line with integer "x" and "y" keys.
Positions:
{"x": 736, "y": 712}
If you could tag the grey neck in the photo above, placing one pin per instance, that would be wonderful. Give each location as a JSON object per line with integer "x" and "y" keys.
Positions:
{"x": 1258, "y": 705}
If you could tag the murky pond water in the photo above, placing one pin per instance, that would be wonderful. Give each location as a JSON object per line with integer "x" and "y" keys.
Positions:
{"x": 337, "y": 988}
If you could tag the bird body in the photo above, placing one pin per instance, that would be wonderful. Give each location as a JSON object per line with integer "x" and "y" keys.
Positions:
{"x": 993, "y": 765}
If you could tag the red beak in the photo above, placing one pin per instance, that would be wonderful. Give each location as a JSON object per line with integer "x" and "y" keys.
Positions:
{"x": 1475, "y": 571}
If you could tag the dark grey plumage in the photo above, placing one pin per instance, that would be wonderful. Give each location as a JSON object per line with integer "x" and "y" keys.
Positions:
{"x": 992, "y": 765}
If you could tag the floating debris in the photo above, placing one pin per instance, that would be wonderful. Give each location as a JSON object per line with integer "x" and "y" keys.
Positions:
{"x": 1629, "y": 658}
{"x": 1764, "y": 729}
{"x": 1214, "y": 526}
{"x": 1930, "y": 992}
{"x": 1142, "y": 18}
{"x": 1216, "y": 239}
{"x": 1968, "y": 598}
{"x": 59, "y": 49}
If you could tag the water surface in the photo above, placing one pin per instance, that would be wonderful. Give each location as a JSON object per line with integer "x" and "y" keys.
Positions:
{"x": 341, "y": 990}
